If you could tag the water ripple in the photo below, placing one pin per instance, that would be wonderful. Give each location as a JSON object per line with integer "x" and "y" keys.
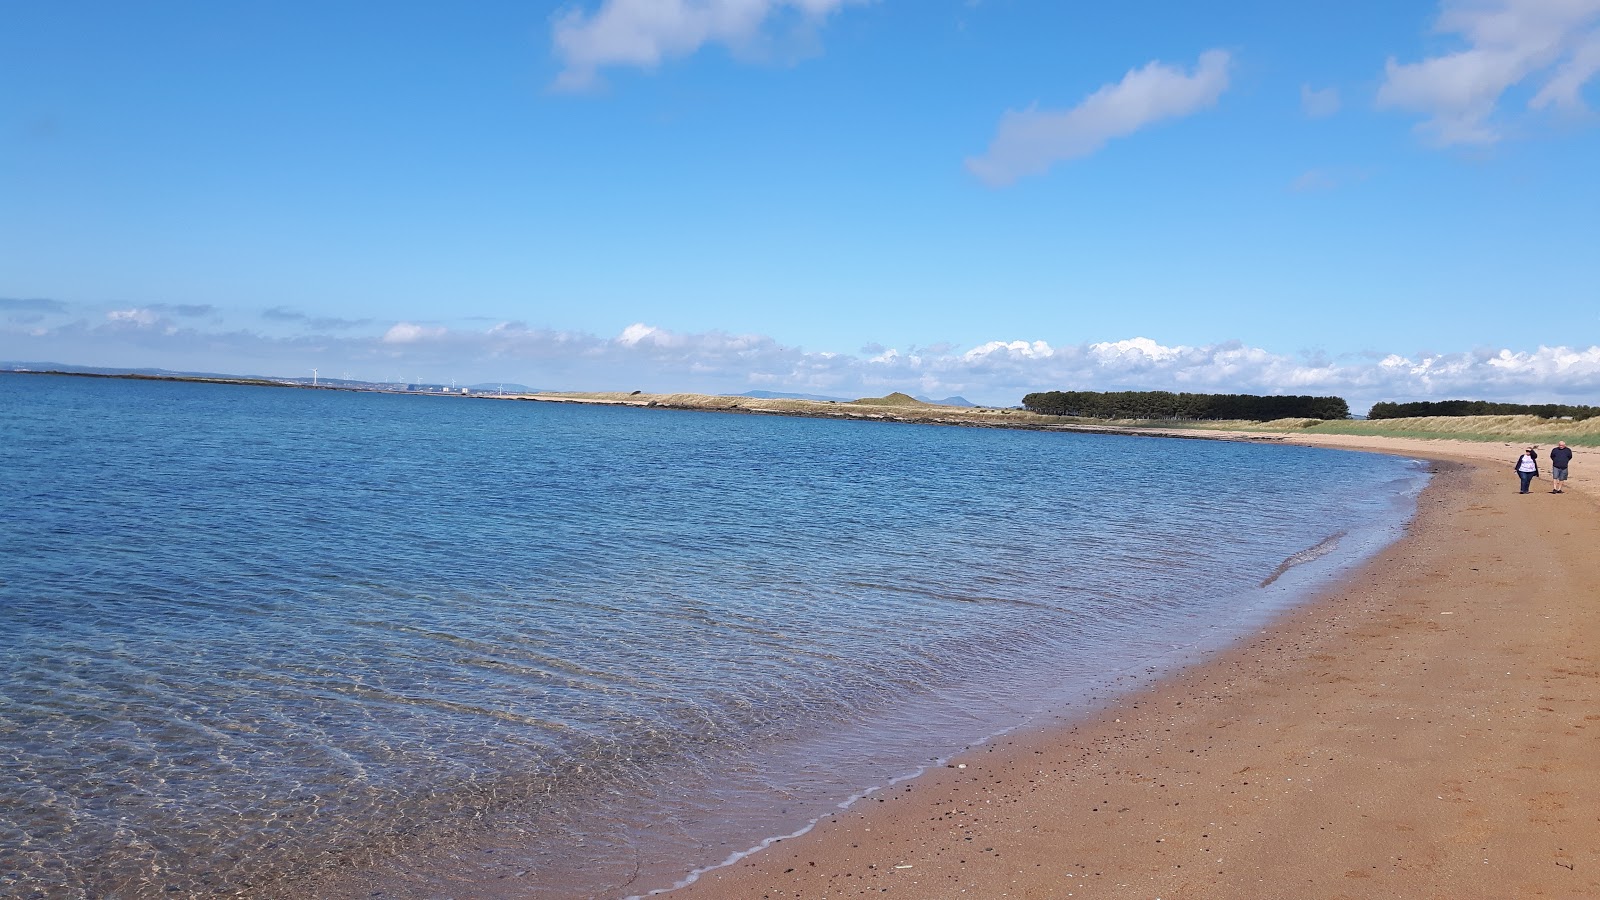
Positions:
{"x": 256, "y": 638}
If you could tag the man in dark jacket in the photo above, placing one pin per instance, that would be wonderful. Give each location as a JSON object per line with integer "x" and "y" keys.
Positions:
{"x": 1559, "y": 458}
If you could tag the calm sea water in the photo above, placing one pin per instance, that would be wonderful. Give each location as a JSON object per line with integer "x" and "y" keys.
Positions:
{"x": 290, "y": 642}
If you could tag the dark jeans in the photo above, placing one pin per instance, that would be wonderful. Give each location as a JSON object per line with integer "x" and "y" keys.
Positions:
{"x": 1526, "y": 478}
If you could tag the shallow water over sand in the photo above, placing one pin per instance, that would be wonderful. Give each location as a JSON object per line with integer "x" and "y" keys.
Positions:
{"x": 260, "y": 638}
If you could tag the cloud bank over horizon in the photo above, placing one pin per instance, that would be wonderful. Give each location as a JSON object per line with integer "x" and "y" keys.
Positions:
{"x": 646, "y": 357}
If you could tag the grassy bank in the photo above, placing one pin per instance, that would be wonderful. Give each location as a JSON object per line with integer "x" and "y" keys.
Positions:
{"x": 895, "y": 407}
{"x": 1511, "y": 429}
{"x": 901, "y": 408}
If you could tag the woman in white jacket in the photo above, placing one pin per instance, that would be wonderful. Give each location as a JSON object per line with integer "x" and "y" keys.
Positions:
{"x": 1527, "y": 468}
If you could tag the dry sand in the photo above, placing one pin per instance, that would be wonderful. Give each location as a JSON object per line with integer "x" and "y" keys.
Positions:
{"x": 1428, "y": 728}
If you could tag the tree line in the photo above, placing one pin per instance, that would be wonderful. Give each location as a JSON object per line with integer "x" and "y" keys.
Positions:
{"x": 1168, "y": 405}
{"x": 1388, "y": 410}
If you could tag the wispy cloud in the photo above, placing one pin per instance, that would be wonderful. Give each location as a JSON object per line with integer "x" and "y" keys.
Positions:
{"x": 645, "y": 33}
{"x": 185, "y": 310}
{"x": 315, "y": 323}
{"x": 1327, "y": 179}
{"x": 1549, "y": 46}
{"x": 1314, "y": 180}
{"x": 1030, "y": 141}
{"x": 34, "y": 305}
{"x": 283, "y": 314}
{"x": 1319, "y": 104}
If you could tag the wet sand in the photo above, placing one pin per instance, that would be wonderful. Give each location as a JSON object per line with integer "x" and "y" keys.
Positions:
{"x": 1428, "y": 728}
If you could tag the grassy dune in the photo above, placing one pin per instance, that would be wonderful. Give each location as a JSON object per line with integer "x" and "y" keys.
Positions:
{"x": 1477, "y": 428}
{"x": 1455, "y": 428}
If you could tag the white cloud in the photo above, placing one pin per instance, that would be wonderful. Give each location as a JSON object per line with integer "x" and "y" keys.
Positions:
{"x": 1319, "y": 104}
{"x": 659, "y": 343}
{"x": 1029, "y": 142}
{"x": 1009, "y": 350}
{"x": 1137, "y": 352}
{"x": 1551, "y": 45}
{"x": 141, "y": 318}
{"x": 407, "y": 333}
{"x": 644, "y": 33}
{"x": 635, "y": 333}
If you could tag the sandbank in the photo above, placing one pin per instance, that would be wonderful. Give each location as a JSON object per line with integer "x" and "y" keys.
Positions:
{"x": 1428, "y": 727}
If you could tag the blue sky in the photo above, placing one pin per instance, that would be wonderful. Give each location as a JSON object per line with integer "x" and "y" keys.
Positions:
{"x": 1382, "y": 200}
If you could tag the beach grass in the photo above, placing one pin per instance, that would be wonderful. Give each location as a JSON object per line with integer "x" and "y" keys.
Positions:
{"x": 1505, "y": 429}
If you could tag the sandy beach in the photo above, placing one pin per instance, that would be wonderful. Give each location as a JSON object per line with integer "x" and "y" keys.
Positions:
{"x": 1427, "y": 728}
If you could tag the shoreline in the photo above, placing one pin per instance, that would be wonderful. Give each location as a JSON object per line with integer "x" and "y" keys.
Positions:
{"x": 1422, "y": 728}
{"x": 416, "y": 874}
{"x": 901, "y": 409}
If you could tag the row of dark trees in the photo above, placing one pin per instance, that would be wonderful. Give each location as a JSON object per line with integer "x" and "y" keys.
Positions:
{"x": 1167, "y": 405}
{"x": 1479, "y": 408}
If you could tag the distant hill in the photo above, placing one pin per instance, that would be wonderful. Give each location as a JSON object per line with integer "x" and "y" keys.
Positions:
{"x": 894, "y": 399}
{"x": 899, "y": 398}
{"x": 950, "y": 401}
{"x": 9, "y": 366}
{"x": 779, "y": 395}
{"x": 493, "y": 387}
{"x": 324, "y": 380}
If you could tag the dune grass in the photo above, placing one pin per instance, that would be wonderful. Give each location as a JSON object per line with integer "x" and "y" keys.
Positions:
{"x": 1510, "y": 429}
{"x": 1477, "y": 428}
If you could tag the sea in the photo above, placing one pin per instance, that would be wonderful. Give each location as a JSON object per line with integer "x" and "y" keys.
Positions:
{"x": 287, "y": 642}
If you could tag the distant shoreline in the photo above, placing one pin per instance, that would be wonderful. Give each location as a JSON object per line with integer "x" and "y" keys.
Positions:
{"x": 912, "y": 413}
{"x": 245, "y": 381}
{"x": 899, "y": 408}
{"x": 877, "y": 409}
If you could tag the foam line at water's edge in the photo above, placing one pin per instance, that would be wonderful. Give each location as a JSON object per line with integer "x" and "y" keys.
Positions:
{"x": 1315, "y": 551}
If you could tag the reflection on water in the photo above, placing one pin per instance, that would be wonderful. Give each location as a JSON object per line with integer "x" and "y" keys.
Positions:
{"x": 260, "y": 638}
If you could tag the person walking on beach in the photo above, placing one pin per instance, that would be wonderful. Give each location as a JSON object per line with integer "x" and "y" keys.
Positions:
{"x": 1527, "y": 468}
{"x": 1560, "y": 457}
